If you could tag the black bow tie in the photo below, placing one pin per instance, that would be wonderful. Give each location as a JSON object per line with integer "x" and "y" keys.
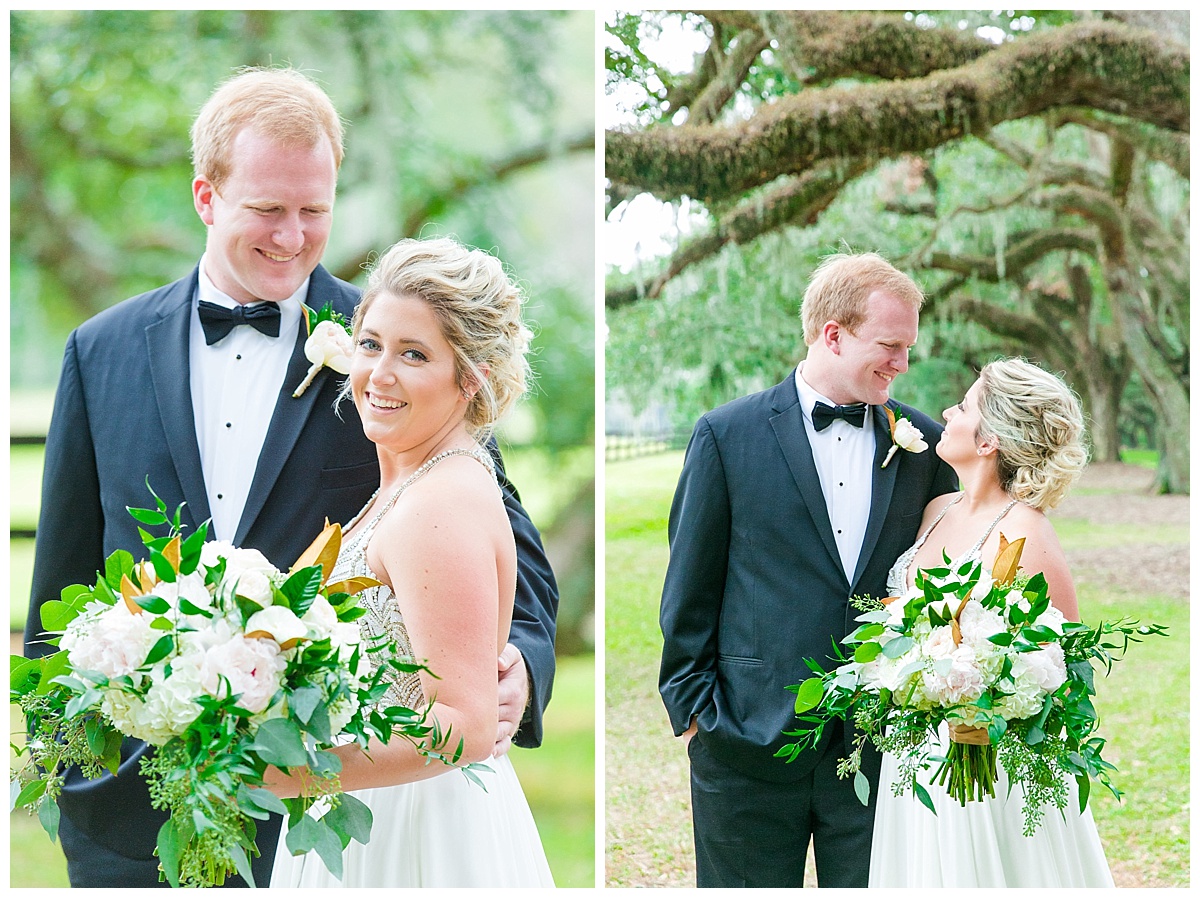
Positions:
{"x": 823, "y": 415}
{"x": 218, "y": 321}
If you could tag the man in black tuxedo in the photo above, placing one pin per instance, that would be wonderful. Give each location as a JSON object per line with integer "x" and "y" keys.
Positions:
{"x": 784, "y": 510}
{"x": 191, "y": 384}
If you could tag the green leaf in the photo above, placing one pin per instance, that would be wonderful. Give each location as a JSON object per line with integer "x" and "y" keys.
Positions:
{"x": 897, "y": 647}
{"x": 21, "y": 672}
{"x": 162, "y": 567}
{"x": 56, "y": 615}
{"x": 301, "y": 588}
{"x": 302, "y": 835}
{"x": 242, "y": 863}
{"x": 304, "y": 701}
{"x": 1085, "y": 789}
{"x": 923, "y": 795}
{"x": 48, "y": 816}
{"x": 279, "y": 742}
{"x": 809, "y": 695}
{"x": 866, "y": 652}
{"x": 117, "y": 565}
{"x": 31, "y": 793}
{"x": 170, "y": 848}
{"x": 93, "y": 729}
{"x": 161, "y": 649}
{"x": 153, "y": 604}
{"x": 329, "y": 848}
{"x": 862, "y": 788}
{"x": 52, "y": 666}
{"x": 352, "y": 818}
{"x": 261, "y": 799}
{"x": 146, "y": 516}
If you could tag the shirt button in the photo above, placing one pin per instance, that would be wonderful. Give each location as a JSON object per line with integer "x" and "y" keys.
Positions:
{"x": 229, "y": 424}
{"x": 239, "y": 356}
{"x": 222, "y": 496}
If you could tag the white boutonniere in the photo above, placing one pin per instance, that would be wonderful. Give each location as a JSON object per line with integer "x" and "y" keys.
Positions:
{"x": 328, "y": 344}
{"x": 904, "y": 436}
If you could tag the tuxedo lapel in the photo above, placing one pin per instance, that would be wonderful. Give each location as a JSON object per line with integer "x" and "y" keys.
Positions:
{"x": 287, "y": 421}
{"x": 167, "y": 342}
{"x": 788, "y": 425}
{"x": 883, "y": 481}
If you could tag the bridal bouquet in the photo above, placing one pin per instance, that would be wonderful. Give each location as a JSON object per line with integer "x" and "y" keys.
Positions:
{"x": 227, "y": 665}
{"x": 991, "y": 658}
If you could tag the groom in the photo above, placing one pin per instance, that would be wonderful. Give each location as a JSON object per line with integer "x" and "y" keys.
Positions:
{"x": 191, "y": 384}
{"x": 784, "y": 510}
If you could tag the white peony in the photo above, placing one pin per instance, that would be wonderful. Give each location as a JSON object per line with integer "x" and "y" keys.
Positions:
{"x": 248, "y": 569}
{"x": 113, "y": 641}
{"x": 252, "y": 667}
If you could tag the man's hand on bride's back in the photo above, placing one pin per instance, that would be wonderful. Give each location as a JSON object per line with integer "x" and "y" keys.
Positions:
{"x": 514, "y": 696}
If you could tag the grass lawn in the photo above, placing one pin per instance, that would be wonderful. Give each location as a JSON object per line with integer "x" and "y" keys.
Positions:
{"x": 1144, "y": 703}
{"x": 558, "y": 779}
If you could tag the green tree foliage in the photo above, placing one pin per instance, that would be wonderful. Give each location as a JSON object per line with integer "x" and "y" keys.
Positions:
{"x": 1029, "y": 169}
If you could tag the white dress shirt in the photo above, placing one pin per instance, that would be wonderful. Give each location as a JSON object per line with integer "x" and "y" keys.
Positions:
{"x": 844, "y": 455}
{"x": 235, "y": 386}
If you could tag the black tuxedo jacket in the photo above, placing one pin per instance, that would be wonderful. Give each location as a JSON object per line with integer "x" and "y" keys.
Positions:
{"x": 123, "y": 412}
{"x": 755, "y": 584}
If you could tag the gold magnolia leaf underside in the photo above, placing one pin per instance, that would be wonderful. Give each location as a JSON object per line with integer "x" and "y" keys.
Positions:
{"x": 323, "y": 551}
{"x": 1008, "y": 560}
{"x": 352, "y": 586}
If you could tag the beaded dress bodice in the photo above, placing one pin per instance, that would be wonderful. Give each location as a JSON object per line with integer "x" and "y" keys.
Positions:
{"x": 383, "y": 617}
{"x": 897, "y": 580}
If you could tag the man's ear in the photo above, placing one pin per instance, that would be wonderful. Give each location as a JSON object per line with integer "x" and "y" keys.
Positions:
{"x": 203, "y": 194}
{"x": 831, "y": 336}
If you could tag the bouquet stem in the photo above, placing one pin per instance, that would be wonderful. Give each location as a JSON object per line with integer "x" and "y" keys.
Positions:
{"x": 969, "y": 771}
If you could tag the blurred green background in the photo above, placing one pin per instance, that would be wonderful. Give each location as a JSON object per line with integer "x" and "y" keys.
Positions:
{"x": 478, "y": 125}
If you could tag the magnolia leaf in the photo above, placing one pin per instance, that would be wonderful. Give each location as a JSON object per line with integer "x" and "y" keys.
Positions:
{"x": 323, "y": 551}
{"x": 170, "y": 848}
{"x": 891, "y": 416}
{"x": 1008, "y": 561}
{"x": 809, "y": 695}
{"x": 352, "y": 818}
{"x": 352, "y": 586}
{"x": 171, "y": 552}
{"x": 862, "y": 787}
{"x": 301, "y": 587}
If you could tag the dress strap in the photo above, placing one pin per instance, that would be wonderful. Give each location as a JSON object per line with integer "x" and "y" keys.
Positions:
{"x": 936, "y": 521}
{"x": 988, "y": 532}
{"x": 480, "y": 455}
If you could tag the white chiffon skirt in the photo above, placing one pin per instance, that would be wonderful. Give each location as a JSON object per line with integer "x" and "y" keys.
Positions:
{"x": 982, "y": 844}
{"x": 445, "y": 831}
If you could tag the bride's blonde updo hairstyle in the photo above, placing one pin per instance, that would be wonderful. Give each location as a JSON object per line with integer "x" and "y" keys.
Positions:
{"x": 479, "y": 308}
{"x": 1037, "y": 424}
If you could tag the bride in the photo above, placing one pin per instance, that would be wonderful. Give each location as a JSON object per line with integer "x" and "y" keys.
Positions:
{"x": 439, "y": 356}
{"x": 1016, "y": 444}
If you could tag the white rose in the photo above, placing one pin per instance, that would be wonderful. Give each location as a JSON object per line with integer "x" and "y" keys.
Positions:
{"x": 113, "y": 643}
{"x": 321, "y": 618}
{"x": 329, "y": 345}
{"x": 279, "y": 623}
{"x": 907, "y": 437}
{"x": 252, "y": 667}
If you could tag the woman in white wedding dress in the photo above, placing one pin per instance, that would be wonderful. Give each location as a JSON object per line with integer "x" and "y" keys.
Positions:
{"x": 439, "y": 355}
{"x": 1016, "y": 444}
